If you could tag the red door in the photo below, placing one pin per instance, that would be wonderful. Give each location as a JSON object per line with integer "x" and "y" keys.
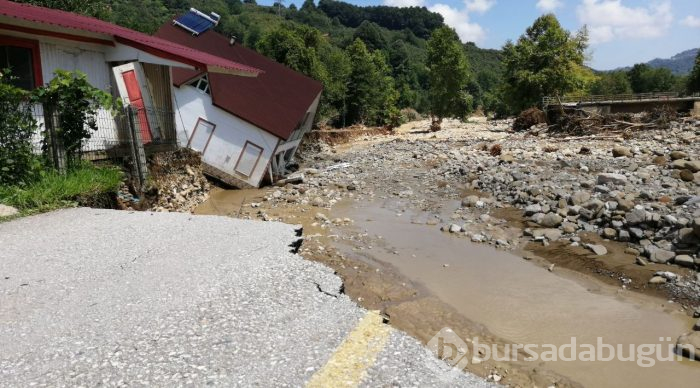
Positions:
{"x": 136, "y": 99}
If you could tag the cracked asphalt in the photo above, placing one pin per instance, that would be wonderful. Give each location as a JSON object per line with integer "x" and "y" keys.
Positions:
{"x": 98, "y": 297}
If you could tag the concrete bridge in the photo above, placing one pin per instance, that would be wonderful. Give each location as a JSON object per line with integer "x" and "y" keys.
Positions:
{"x": 627, "y": 103}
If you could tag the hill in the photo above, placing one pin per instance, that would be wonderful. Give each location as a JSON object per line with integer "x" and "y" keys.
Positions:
{"x": 679, "y": 64}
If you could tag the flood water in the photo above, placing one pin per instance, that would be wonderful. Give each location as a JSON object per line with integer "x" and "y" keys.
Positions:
{"x": 524, "y": 303}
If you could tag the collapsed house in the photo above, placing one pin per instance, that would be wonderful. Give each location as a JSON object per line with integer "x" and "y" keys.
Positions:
{"x": 247, "y": 128}
{"x": 36, "y": 41}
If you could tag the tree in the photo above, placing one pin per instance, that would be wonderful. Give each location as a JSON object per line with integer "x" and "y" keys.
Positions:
{"x": 449, "y": 75}
{"x": 141, "y": 15}
{"x": 609, "y": 83}
{"x": 693, "y": 83}
{"x": 371, "y": 96}
{"x": 96, "y": 8}
{"x": 547, "y": 60}
{"x": 645, "y": 79}
{"x": 294, "y": 46}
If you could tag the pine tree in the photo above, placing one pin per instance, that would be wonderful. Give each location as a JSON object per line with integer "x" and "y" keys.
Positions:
{"x": 449, "y": 75}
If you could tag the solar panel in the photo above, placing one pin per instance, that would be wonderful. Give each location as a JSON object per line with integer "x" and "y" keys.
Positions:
{"x": 196, "y": 22}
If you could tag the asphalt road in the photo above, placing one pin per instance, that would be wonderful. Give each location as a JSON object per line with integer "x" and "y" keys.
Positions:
{"x": 98, "y": 297}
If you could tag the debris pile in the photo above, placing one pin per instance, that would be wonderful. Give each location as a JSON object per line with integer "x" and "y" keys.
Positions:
{"x": 529, "y": 118}
{"x": 176, "y": 181}
{"x": 581, "y": 122}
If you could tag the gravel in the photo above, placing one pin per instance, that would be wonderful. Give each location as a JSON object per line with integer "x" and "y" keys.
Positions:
{"x": 100, "y": 297}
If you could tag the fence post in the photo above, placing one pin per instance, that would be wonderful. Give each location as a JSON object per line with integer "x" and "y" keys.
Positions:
{"x": 54, "y": 144}
{"x": 138, "y": 152}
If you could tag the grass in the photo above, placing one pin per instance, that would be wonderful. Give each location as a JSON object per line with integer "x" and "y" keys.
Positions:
{"x": 54, "y": 191}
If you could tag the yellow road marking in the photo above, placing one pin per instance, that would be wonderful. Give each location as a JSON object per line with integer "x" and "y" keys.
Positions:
{"x": 348, "y": 366}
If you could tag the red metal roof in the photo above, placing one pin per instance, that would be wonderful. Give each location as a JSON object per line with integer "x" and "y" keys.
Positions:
{"x": 276, "y": 100}
{"x": 153, "y": 45}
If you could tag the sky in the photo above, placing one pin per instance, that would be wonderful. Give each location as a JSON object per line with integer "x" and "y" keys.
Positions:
{"x": 622, "y": 32}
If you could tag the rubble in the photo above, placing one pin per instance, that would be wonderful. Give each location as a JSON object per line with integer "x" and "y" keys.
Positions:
{"x": 176, "y": 181}
{"x": 626, "y": 189}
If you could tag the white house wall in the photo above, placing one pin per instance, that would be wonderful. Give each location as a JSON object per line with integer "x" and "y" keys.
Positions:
{"x": 89, "y": 59}
{"x": 229, "y": 137}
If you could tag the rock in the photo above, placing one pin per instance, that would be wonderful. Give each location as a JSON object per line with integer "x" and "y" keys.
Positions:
{"x": 637, "y": 233}
{"x": 470, "y": 201}
{"x": 636, "y": 216}
{"x": 661, "y": 256}
{"x": 7, "y": 211}
{"x": 689, "y": 345}
{"x": 506, "y": 158}
{"x": 624, "y": 236}
{"x": 620, "y": 151}
{"x": 569, "y": 227}
{"x": 580, "y": 197}
{"x": 687, "y": 176}
{"x": 659, "y": 160}
{"x": 632, "y": 251}
{"x": 675, "y": 155}
{"x": 693, "y": 165}
{"x": 640, "y": 261}
{"x": 454, "y": 228}
{"x": 696, "y": 326}
{"x": 657, "y": 280}
{"x": 551, "y": 220}
{"x": 597, "y": 249}
{"x": 609, "y": 233}
{"x": 696, "y": 226}
{"x": 615, "y": 179}
{"x": 684, "y": 261}
{"x": 533, "y": 209}
{"x": 625, "y": 205}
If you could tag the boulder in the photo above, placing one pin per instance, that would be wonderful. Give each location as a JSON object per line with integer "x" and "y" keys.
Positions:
{"x": 609, "y": 233}
{"x": 658, "y": 255}
{"x": 689, "y": 345}
{"x": 533, "y": 209}
{"x": 625, "y": 205}
{"x": 675, "y": 155}
{"x": 470, "y": 201}
{"x": 684, "y": 261}
{"x": 693, "y": 165}
{"x": 687, "y": 176}
{"x": 620, "y": 151}
{"x": 615, "y": 179}
{"x": 696, "y": 226}
{"x": 636, "y": 216}
{"x": 7, "y": 211}
{"x": 597, "y": 249}
{"x": 580, "y": 197}
{"x": 551, "y": 220}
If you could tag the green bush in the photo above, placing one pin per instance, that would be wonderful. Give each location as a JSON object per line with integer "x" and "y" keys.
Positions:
{"x": 17, "y": 163}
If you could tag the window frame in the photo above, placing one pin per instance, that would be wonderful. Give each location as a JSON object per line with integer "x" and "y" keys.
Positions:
{"x": 33, "y": 45}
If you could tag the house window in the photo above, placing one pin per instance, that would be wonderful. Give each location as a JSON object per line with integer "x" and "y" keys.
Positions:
{"x": 202, "y": 84}
{"x": 21, "y": 57}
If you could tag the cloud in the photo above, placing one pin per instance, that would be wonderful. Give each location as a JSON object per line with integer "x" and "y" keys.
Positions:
{"x": 404, "y": 3}
{"x": 549, "y": 5}
{"x": 691, "y": 21}
{"x": 459, "y": 20}
{"x": 479, "y": 6}
{"x": 609, "y": 20}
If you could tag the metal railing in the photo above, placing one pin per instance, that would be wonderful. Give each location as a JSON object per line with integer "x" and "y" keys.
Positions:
{"x": 612, "y": 98}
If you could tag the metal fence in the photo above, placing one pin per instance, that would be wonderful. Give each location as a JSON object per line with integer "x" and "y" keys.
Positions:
{"x": 126, "y": 136}
{"x": 612, "y": 98}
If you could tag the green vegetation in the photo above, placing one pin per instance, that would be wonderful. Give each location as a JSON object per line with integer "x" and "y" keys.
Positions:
{"x": 17, "y": 162}
{"x": 546, "y": 61}
{"x": 53, "y": 190}
{"x": 75, "y": 102}
{"x": 693, "y": 84}
{"x": 27, "y": 180}
{"x": 449, "y": 75}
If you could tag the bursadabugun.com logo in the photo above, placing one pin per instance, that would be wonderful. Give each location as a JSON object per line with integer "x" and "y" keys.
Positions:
{"x": 458, "y": 352}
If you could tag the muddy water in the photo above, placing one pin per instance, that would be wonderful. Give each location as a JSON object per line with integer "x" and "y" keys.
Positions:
{"x": 525, "y": 303}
